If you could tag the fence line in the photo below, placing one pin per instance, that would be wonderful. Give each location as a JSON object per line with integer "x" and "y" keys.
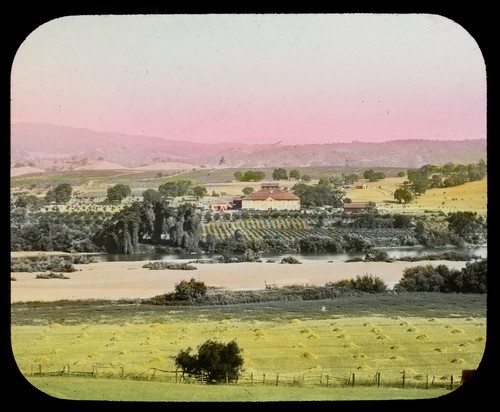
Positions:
{"x": 289, "y": 379}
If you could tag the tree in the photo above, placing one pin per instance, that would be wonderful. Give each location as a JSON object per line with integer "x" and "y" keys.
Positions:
{"x": 118, "y": 192}
{"x": 373, "y": 176}
{"x": 199, "y": 191}
{"x": 464, "y": 224}
{"x": 237, "y": 175}
{"x": 60, "y": 194}
{"x": 402, "y": 194}
{"x": 280, "y": 174}
{"x": 252, "y": 176}
{"x": 401, "y": 174}
{"x": 306, "y": 178}
{"x": 215, "y": 361}
{"x": 318, "y": 195}
{"x": 151, "y": 196}
{"x": 247, "y": 190}
{"x": 419, "y": 180}
{"x": 294, "y": 174}
{"x": 350, "y": 178}
{"x": 175, "y": 188}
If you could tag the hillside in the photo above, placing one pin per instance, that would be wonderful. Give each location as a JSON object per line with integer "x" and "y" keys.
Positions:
{"x": 37, "y": 143}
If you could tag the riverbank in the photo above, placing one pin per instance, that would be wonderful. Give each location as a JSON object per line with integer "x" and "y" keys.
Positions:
{"x": 129, "y": 280}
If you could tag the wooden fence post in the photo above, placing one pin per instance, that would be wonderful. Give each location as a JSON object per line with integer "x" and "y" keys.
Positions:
{"x": 451, "y": 383}
{"x": 69, "y": 371}
{"x": 327, "y": 379}
{"x": 123, "y": 371}
{"x": 378, "y": 379}
{"x": 403, "y": 379}
{"x": 263, "y": 379}
{"x": 40, "y": 369}
{"x": 427, "y": 381}
{"x": 277, "y": 378}
{"x": 353, "y": 378}
{"x": 251, "y": 379}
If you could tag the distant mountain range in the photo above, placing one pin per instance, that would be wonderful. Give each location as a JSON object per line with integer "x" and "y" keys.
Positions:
{"x": 35, "y": 141}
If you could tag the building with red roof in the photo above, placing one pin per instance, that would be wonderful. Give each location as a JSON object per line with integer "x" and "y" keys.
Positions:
{"x": 271, "y": 197}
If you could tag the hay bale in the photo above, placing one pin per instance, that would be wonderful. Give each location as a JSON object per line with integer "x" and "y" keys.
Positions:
{"x": 295, "y": 321}
{"x": 308, "y": 355}
{"x": 304, "y": 331}
{"x": 423, "y": 338}
{"x": 411, "y": 329}
{"x": 458, "y": 360}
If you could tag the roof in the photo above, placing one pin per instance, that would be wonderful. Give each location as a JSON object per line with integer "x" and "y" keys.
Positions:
{"x": 219, "y": 201}
{"x": 276, "y": 194}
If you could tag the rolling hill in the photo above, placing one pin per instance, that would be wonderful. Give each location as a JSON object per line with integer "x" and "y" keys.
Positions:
{"x": 34, "y": 141}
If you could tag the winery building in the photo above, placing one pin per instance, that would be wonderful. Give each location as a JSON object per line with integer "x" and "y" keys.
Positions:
{"x": 270, "y": 197}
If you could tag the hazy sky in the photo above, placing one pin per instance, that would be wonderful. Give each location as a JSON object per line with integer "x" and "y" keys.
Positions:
{"x": 255, "y": 78}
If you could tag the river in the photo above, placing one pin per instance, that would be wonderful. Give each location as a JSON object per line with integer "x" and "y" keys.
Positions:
{"x": 393, "y": 253}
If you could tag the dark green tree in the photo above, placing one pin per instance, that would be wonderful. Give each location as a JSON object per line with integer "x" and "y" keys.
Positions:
{"x": 180, "y": 187}
{"x": 61, "y": 194}
{"x": 464, "y": 223}
{"x": 118, "y": 192}
{"x": 280, "y": 174}
{"x": 151, "y": 196}
{"x": 199, "y": 191}
{"x": 294, "y": 174}
{"x": 247, "y": 190}
{"x": 218, "y": 362}
{"x": 402, "y": 194}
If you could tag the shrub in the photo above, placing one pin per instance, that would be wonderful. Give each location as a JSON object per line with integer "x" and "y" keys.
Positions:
{"x": 190, "y": 290}
{"x": 51, "y": 275}
{"x": 290, "y": 260}
{"x": 168, "y": 265}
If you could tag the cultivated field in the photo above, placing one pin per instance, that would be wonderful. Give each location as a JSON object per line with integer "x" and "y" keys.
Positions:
{"x": 297, "y": 343}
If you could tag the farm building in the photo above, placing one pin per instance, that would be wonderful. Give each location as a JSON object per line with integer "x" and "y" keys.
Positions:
{"x": 270, "y": 196}
{"x": 220, "y": 205}
{"x": 357, "y": 207}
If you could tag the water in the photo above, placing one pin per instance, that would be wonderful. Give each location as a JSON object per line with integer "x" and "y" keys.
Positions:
{"x": 393, "y": 252}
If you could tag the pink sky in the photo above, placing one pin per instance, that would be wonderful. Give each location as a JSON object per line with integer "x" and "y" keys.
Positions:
{"x": 255, "y": 78}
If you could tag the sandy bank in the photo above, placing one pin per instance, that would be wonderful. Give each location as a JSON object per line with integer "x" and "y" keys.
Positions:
{"x": 116, "y": 280}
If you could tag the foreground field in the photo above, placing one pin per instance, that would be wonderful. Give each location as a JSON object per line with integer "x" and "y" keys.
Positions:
{"x": 134, "y": 391}
{"x": 429, "y": 337}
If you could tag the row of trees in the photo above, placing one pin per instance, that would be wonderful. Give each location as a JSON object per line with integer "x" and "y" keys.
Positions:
{"x": 448, "y": 175}
{"x": 428, "y": 278}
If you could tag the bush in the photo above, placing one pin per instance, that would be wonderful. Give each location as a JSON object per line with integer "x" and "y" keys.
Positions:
{"x": 51, "y": 275}
{"x": 471, "y": 279}
{"x": 168, "y": 265}
{"x": 290, "y": 260}
{"x": 216, "y": 361}
{"x": 190, "y": 290}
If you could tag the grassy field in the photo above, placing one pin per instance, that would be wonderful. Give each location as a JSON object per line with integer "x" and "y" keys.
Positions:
{"x": 136, "y": 391}
{"x": 428, "y": 336}
{"x": 471, "y": 196}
